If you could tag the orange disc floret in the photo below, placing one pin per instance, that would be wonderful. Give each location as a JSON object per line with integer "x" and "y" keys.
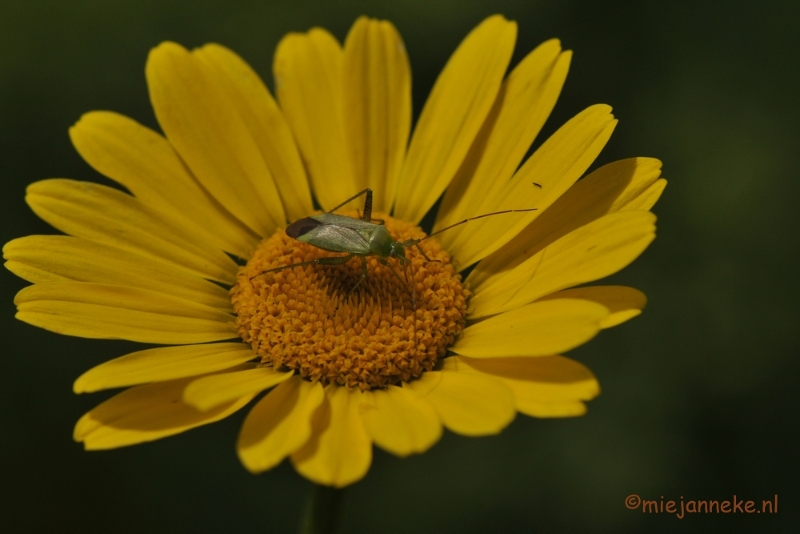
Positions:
{"x": 305, "y": 318}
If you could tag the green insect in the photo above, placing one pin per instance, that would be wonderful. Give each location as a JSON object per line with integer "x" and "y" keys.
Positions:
{"x": 359, "y": 238}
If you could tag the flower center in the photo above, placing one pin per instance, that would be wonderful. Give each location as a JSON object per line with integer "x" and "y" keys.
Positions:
{"x": 307, "y": 318}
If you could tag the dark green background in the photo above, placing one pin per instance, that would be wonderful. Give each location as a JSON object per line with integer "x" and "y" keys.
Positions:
{"x": 699, "y": 393}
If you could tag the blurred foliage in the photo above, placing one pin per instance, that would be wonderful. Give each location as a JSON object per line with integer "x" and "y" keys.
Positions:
{"x": 698, "y": 393}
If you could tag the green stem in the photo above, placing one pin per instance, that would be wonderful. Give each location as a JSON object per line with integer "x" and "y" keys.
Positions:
{"x": 323, "y": 510}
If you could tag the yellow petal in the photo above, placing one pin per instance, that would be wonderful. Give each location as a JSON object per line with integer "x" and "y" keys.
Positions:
{"x": 145, "y": 413}
{"x": 102, "y": 214}
{"x": 399, "y": 421}
{"x": 279, "y": 424}
{"x": 555, "y": 166}
{"x": 309, "y": 84}
{"x": 549, "y": 386}
{"x": 647, "y": 198}
{"x": 207, "y": 131}
{"x": 214, "y": 390}
{"x": 340, "y": 451}
{"x": 58, "y": 258}
{"x": 377, "y": 104}
{"x": 628, "y": 184}
{"x": 589, "y": 253}
{"x": 525, "y": 101}
{"x": 453, "y": 114}
{"x": 116, "y": 312}
{"x": 538, "y": 329}
{"x": 266, "y": 124}
{"x": 622, "y": 185}
{"x": 161, "y": 364}
{"x": 624, "y": 303}
{"x": 145, "y": 163}
{"x": 467, "y": 404}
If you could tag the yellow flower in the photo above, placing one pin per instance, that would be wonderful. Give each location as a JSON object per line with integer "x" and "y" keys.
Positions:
{"x": 412, "y": 349}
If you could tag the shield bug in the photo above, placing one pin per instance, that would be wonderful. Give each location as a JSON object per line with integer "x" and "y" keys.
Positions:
{"x": 360, "y": 238}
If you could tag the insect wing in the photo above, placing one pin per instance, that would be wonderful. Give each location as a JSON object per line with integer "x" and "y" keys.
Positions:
{"x": 301, "y": 227}
{"x": 344, "y": 221}
{"x": 336, "y": 239}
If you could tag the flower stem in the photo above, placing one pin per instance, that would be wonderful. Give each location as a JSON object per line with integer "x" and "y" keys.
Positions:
{"x": 323, "y": 510}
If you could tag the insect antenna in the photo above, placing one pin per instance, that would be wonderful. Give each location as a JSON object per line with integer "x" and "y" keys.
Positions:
{"x": 472, "y": 219}
{"x": 416, "y": 242}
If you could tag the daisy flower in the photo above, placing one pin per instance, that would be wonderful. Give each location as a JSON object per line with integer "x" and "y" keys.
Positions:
{"x": 179, "y": 259}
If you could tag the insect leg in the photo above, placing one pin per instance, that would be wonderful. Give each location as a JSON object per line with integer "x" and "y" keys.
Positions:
{"x": 413, "y": 302}
{"x": 367, "y": 207}
{"x": 412, "y": 292}
{"x": 335, "y": 260}
{"x": 382, "y": 261}
{"x": 363, "y": 275}
{"x": 425, "y": 255}
{"x": 367, "y": 204}
{"x": 415, "y": 243}
{"x": 413, "y": 285}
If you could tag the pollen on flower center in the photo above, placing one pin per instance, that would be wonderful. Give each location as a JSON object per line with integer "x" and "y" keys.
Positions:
{"x": 302, "y": 318}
